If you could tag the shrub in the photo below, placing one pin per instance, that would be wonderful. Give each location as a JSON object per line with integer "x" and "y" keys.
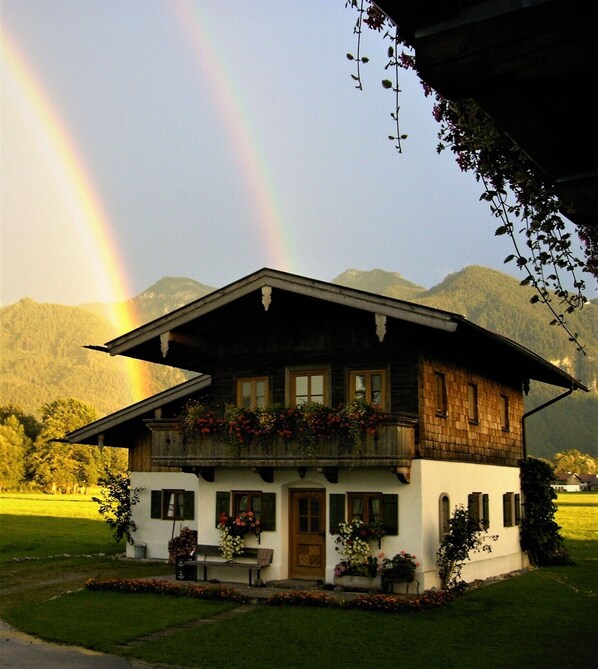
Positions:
{"x": 464, "y": 536}
{"x": 540, "y": 534}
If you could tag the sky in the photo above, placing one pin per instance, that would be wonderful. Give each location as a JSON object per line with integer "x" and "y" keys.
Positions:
{"x": 208, "y": 139}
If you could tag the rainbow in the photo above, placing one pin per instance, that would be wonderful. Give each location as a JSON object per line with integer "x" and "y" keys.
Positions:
{"x": 89, "y": 214}
{"x": 224, "y": 97}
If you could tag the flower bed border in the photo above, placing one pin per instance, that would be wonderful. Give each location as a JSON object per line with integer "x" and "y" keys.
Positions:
{"x": 366, "y": 602}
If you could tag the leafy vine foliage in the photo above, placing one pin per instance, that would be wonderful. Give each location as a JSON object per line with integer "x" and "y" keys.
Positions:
{"x": 519, "y": 196}
{"x": 540, "y": 533}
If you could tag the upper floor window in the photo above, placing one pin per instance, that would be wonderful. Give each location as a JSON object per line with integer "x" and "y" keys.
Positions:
{"x": 472, "y": 403}
{"x": 309, "y": 386}
{"x": 504, "y": 409}
{"x": 440, "y": 393}
{"x": 252, "y": 392}
{"x": 369, "y": 386}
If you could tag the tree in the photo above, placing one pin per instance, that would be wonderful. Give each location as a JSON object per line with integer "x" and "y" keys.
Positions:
{"x": 116, "y": 502}
{"x": 30, "y": 424}
{"x": 53, "y": 464}
{"x": 13, "y": 444}
{"x": 575, "y": 462}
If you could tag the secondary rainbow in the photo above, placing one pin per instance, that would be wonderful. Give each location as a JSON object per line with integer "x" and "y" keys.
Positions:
{"x": 224, "y": 97}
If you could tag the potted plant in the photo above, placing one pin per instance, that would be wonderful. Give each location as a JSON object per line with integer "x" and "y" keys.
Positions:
{"x": 182, "y": 546}
{"x": 400, "y": 567}
{"x": 358, "y": 568}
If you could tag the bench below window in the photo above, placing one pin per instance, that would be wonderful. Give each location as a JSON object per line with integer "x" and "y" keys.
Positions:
{"x": 252, "y": 559}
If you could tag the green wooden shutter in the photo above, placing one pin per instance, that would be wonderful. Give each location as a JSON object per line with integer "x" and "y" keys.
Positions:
{"x": 506, "y": 510}
{"x": 390, "y": 513}
{"x": 268, "y": 511}
{"x": 189, "y": 505}
{"x": 472, "y": 506}
{"x": 156, "y": 505}
{"x": 222, "y": 503}
{"x": 337, "y": 512}
{"x": 486, "y": 511}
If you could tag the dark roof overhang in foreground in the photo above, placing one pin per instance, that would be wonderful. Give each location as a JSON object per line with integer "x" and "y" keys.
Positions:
{"x": 188, "y": 337}
{"x": 527, "y": 64}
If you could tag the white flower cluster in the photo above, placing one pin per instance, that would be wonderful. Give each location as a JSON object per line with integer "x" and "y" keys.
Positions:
{"x": 349, "y": 546}
{"x": 229, "y": 545}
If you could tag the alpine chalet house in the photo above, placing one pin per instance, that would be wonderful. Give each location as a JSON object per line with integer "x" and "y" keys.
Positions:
{"x": 441, "y": 425}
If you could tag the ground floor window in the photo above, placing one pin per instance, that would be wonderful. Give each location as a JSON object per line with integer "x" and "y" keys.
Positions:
{"x": 173, "y": 504}
{"x": 478, "y": 507}
{"x": 511, "y": 504}
{"x": 365, "y": 506}
{"x": 235, "y": 502}
{"x": 444, "y": 515}
{"x": 371, "y": 507}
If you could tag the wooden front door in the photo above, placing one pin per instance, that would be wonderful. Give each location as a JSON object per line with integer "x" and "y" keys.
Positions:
{"x": 307, "y": 540}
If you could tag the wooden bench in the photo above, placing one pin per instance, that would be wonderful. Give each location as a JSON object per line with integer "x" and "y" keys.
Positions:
{"x": 251, "y": 559}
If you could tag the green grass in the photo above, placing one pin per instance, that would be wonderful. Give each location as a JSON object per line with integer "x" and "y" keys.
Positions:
{"x": 523, "y": 621}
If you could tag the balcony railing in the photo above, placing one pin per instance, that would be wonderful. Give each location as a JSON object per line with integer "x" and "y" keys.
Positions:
{"x": 393, "y": 447}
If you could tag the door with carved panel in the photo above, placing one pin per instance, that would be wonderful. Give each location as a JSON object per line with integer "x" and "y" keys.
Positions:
{"x": 307, "y": 539}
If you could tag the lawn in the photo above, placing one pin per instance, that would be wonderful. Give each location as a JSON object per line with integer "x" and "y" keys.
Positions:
{"x": 523, "y": 621}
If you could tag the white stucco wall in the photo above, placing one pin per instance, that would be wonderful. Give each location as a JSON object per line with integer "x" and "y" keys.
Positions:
{"x": 156, "y": 533}
{"x": 418, "y": 513}
{"x": 433, "y": 478}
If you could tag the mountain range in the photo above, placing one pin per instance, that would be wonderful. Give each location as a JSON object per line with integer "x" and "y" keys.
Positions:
{"x": 44, "y": 355}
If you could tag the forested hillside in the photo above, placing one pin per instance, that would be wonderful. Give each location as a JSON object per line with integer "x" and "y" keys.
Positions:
{"x": 43, "y": 358}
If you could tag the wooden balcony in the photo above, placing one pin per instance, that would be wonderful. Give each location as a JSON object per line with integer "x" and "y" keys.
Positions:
{"x": 393, "y": 448}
